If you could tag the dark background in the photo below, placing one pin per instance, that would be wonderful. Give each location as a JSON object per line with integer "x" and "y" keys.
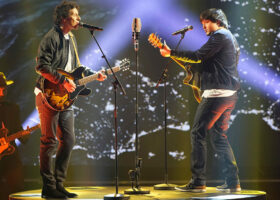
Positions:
{"x": 255, "y": 124}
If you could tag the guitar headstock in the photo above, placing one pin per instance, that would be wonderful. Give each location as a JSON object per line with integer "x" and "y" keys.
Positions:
{"x": 155, "y": 41}
{"x": 124, "y": 64}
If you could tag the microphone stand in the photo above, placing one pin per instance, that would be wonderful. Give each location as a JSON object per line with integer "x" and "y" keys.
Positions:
{"x": 135, "y": 174}
{"x": 115, "y": 83}
{"x": 166, "y": 185}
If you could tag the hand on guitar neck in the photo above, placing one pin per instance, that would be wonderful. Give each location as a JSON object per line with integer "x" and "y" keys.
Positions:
{"x": 101, "y": 75}
{"x": 165, "y": 51}
{"x": 70, "y": 86}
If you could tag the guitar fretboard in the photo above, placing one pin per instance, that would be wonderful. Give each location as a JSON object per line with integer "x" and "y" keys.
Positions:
{"x": 93, "y": 77}
{"x": 22, "y": 133}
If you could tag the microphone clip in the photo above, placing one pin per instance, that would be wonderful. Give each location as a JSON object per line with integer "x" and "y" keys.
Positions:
{"x": 90, "y": 27}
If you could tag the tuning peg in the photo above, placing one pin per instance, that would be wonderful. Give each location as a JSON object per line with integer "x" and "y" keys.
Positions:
{"x": 3, "y": 125}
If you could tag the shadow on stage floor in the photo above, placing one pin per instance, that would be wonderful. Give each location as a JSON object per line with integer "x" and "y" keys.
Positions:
{"x": 90, "y": 192}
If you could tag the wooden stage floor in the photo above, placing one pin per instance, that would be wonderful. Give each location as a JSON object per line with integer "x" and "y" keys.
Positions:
{"x": 94, "y": 193}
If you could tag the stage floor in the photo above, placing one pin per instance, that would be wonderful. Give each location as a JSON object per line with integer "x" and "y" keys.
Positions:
{"x": 92, "y": 192}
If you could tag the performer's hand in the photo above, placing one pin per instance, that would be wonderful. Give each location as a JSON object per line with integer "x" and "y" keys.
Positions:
{"x": 3, "y": 144}
{"x": 165, "y": 51}
{"x": 69, "y": 85}
{"x": 101, "y": 75}
{"x": 2, "y": 141}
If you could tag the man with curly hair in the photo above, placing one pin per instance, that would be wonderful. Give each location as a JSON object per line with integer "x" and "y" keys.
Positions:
{"x": 57, "y": 50}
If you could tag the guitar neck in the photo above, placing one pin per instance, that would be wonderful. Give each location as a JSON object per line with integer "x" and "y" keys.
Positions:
{"x": 22, "y": 133}
{"x": 93, "y": 77}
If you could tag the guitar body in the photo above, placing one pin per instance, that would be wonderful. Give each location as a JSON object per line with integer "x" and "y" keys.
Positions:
{"x": 6, "y": 149}
{"x": 192, "y": 79}
{"x": 57, "y": 97}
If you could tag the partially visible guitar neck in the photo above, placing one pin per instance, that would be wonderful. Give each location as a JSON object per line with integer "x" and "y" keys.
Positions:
{"x": 156, "y": 42}
{"x": 93, "y": 77}
{"x": 21, "y": 133}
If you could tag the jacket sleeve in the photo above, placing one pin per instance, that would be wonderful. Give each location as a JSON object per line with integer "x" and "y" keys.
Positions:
{"x": 208, "y": 50}
{"x": 46, "y": 54}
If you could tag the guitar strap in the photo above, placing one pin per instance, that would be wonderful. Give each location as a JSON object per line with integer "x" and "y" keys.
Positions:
{"x": 75, "y": 49}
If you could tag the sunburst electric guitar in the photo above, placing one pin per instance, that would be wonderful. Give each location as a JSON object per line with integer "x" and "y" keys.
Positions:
{"x": 59, "y": 99}
{"x": 191, "y": 79}
{"x": 7, "y": 149}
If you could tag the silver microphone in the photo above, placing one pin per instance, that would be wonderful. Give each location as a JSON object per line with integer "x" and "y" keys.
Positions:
{"x": 136, "y": 28}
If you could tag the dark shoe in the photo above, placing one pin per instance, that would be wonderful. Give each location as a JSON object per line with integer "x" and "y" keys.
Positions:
{"x": 65, "y": 192}
{"x": 226, "y": 188}
{"x": 51, "y": 193}
{"x": 190, "y": 187}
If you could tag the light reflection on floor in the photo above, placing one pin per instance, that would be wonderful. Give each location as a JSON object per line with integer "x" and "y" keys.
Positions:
{"x": 91, "y": 192}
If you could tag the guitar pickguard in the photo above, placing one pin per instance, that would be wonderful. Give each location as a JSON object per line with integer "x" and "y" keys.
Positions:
{"x": 58, "y": 98}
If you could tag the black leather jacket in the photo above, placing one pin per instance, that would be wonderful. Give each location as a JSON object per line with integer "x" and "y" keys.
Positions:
{"x": 219, "y": 58}
{"x": 53, "y": 54}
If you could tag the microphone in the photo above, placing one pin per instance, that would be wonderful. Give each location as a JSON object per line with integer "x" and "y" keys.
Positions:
{"x": 136, "y": 28}
{"x": 183, "y": 30}
{"x": 90, "y": 27}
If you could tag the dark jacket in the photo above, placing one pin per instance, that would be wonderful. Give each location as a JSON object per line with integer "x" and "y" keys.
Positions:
{"x": 219, "y": 58}
{"x": 53, "y": 54}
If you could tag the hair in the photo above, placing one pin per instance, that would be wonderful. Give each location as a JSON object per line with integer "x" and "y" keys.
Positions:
{"x": 61, "y": 11}
{"x": 215, "y": 15}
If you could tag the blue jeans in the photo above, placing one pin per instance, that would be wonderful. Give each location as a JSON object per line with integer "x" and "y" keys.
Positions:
{"x": 212, "y": 117}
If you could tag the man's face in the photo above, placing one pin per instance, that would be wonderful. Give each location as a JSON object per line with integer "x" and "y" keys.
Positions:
{"x": 3, "y": 92}
{"x": 209, "y": 26}
{"x": 73, "y": 19}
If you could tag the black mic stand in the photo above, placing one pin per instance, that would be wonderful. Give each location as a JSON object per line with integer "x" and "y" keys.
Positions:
{"x": 115, "y": 83}
{"x": 166, "y": 185}
{"x": 135, "y": 174}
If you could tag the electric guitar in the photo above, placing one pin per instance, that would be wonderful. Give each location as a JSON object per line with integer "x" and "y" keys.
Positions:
{"x": 7, "y": 149}
{"x": 191, "y": 79}
{"x": 59, "y": 99}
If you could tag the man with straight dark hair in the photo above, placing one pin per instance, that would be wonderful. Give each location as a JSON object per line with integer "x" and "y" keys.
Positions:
{"x": 57, "y": 50}
{"x": 219, "y": 84}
